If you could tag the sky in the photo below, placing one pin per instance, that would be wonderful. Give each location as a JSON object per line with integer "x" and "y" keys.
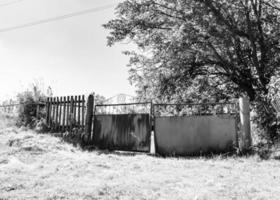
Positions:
{"x": 69, "y": 55}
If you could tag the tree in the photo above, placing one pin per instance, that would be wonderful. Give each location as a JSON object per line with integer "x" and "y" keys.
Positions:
{"x": 99, "y": 99}
{"x": 232, "y": 44}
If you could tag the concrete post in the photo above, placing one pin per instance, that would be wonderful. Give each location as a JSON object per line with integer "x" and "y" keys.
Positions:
{"x": 152, "y": 137}
{"x": 152, "y": 144}
{"x": 245, "y": 137}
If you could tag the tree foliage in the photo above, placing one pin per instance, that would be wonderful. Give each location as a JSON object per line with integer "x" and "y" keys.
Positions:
{"x": 224, "y": 47}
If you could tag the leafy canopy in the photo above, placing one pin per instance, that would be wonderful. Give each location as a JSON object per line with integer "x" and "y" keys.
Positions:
{"x": 226, "y": 46}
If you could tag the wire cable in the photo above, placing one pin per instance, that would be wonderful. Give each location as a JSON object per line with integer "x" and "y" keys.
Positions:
{"x": 44, "y": 21}
{"x": 10, "y": 3}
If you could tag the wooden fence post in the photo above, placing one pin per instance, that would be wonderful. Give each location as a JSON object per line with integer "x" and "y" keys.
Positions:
{"x": 48, "y": 110}
{"x": 79, "y": 111}
{"x": 68, "y": 114}
{"x": 51, "y": 111}
{"x": 53, "y": 115}
{"x": 37, "y": 111}
{"x": 89, "y": 115}
{"x": 245, "y": 139}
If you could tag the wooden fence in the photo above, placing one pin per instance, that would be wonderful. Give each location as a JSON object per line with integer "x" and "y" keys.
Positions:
{"x": 66, "y": 113}
{"x": 9, "y": 108}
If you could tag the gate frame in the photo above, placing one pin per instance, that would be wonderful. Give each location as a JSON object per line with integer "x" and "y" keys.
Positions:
{"x": 236, "y": 115}
{"x": 150, "y": 113}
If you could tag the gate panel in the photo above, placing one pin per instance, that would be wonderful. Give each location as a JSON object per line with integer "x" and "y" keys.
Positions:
{"x": 190, "y": 135}
{"x": 129, "y": 132}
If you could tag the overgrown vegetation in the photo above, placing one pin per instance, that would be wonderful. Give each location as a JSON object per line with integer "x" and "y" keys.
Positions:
{"x": 31, "y": 111}
{"x": 39, "y": 166}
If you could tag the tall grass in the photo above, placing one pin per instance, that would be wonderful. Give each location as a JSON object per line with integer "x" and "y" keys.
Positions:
{"x": 7, "y": 119}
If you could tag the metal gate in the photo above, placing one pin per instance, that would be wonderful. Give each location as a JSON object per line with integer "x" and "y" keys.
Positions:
{"x": 191, "y": 129}
{"x": 122, "y": 126}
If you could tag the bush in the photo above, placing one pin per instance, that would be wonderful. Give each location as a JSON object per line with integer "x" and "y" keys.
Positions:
{"x": 29, "y": 101}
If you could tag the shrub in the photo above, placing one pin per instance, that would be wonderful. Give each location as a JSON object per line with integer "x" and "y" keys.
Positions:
{"x": 30, "y": 115}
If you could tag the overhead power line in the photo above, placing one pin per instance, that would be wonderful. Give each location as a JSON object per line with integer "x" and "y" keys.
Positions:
{"x": 10, "y": 3}
{"x": 43, "y": 21}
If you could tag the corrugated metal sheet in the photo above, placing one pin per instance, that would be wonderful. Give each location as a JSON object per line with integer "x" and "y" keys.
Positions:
{"x": 122, "y": 132}
{"x": 195, "y": 134}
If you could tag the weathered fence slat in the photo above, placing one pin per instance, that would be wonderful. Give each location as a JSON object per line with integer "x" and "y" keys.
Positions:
{"x": 79, "y": 111}
{"x": 60, "y": 113}
{"x": 54, "y": 111}
{"x": 75, "y": 111}
{"x": 83, "y": 110}
{"x": 56, "y": 114}
{"x": 67, "y": 113}
{"x": 71, "y": 112}
{"x": 48, "y": 111}
{"x": 64, "y": 110}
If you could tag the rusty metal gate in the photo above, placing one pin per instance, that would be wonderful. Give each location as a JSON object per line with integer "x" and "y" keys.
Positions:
{"x": 193, "y": 129}
{"x": 122, "y": 126}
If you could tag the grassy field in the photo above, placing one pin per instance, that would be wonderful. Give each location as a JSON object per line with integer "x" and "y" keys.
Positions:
{"x": 39, "y": 166}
